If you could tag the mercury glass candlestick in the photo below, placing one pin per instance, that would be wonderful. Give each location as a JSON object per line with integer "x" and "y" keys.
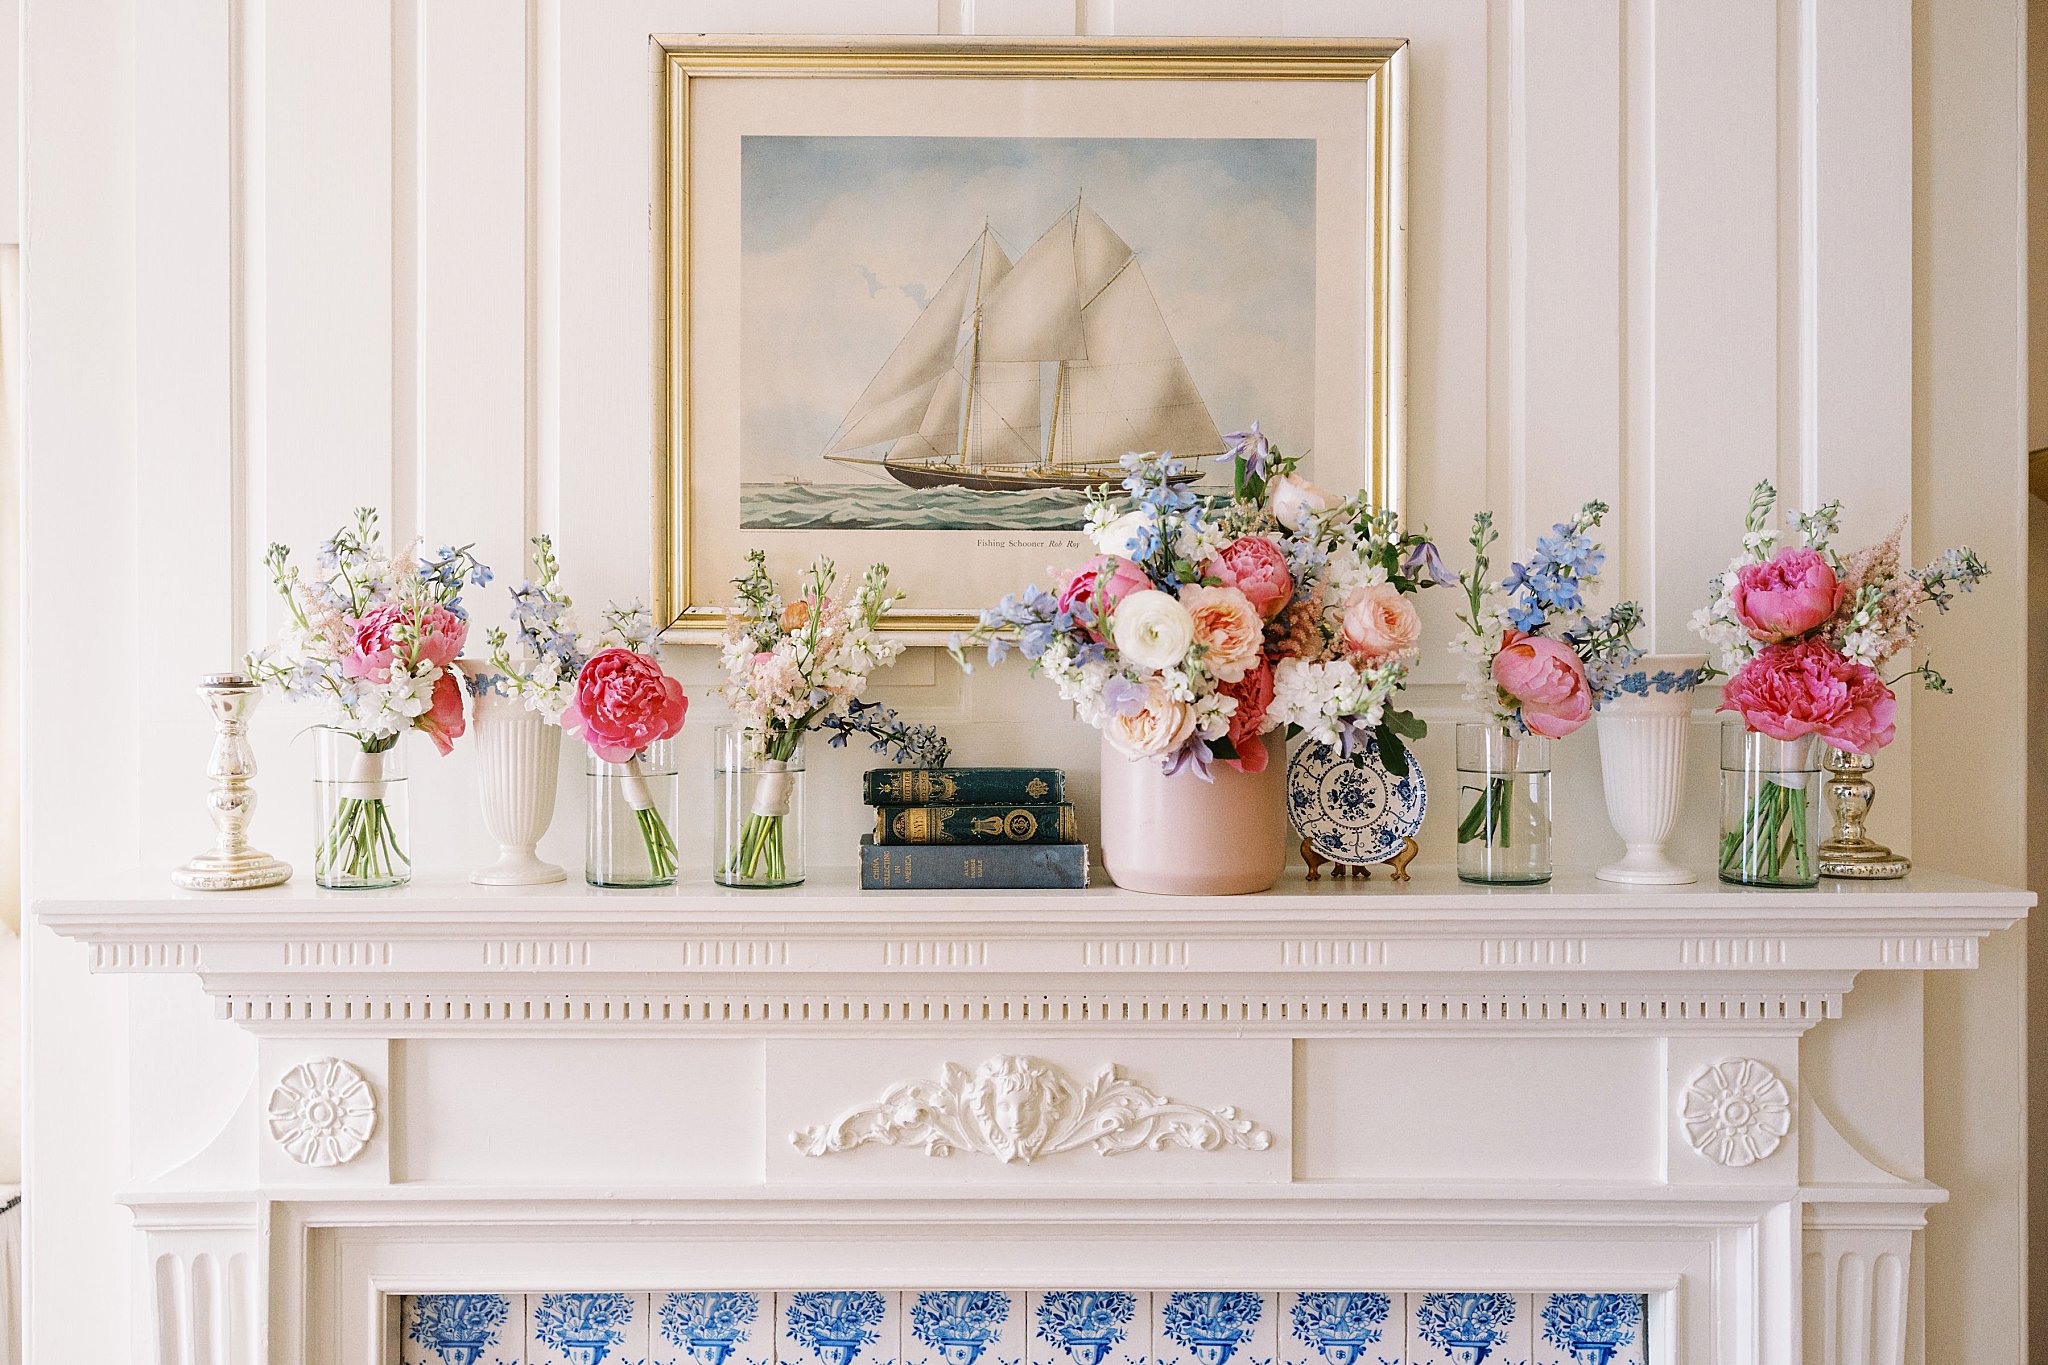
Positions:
{"x": 231, "y": 864}
{"x": 1848, "y": 852}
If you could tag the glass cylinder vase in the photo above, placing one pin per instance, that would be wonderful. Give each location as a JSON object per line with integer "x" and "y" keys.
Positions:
{"x": 1770, "y": 808}
{"x": 359, "y": 792}
{"x": 760, "y": 811}
{"x": 1503, "y": 807}
{"x": 631, "y": 817}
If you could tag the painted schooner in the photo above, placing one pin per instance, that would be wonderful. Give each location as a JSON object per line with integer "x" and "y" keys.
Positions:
{"x": 961, "y": 402}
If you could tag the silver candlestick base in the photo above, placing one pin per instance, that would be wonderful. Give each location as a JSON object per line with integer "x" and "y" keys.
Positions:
{"x": 1848, "y": 852}
{"x": 231, "y": 864}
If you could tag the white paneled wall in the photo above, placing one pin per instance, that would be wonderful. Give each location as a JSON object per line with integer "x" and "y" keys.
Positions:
{"x": 286, "y": 257}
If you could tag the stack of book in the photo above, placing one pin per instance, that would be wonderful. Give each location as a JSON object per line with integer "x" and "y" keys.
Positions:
{"x": 954, "y": 829}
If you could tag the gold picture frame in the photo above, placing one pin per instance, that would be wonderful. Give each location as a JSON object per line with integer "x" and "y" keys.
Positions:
{"x": 689, "y": 607}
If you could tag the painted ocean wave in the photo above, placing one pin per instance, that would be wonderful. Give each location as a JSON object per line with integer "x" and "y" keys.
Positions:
{"x": 891, "y": 507}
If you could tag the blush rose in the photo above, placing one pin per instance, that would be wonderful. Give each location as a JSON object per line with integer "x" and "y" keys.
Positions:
{"x": 1228, "y": 628}
{"x": 1380, "y": 623}
{"x": 1158, "y": 725}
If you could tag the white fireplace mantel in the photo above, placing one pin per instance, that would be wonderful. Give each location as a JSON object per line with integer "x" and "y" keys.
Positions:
{"x": 1420, "y": 1086}
{"x": 1338, "y": 956}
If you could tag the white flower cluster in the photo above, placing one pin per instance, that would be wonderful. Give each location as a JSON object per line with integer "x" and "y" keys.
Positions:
{"x": 787, "y": 667}
{"x": 1475, "y": 650}
{"x": 1318, "y": 696}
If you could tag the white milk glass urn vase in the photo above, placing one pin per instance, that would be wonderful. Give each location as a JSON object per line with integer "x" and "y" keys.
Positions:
{"x": 1643, "y": 733}
{"x": 518, "y": 754}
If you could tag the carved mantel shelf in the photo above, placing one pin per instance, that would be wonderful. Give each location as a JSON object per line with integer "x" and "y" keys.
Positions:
{"x": 1339, "y": 957}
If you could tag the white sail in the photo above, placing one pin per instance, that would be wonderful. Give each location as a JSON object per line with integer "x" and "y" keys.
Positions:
{"x": 1003, "y": 428}
{"x": 1134, "y": 391}
{"x": 896, "y": 399}
{"x": 1036, "y": 314}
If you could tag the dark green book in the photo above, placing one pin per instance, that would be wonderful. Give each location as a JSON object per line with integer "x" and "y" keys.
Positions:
{"x": 977, "y": 825}
{"x": 968, "y": 867}
{"x": 964, "y": 786}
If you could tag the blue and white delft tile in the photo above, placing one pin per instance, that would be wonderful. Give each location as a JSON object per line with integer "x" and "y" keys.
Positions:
{"x": 462, "y": 1329}
{"x": 1476, "y": 1328}
{"x": 964, "y": 1327}
{"x": 838, "y": 1327}
{"x": 592, "y": 1328}
{"x": 1215, "y": 1327}
{"x": 1590, "y": 1329}
{"x": 712, "y": 1327}
{"x": 1088, "y": 1327}
{"x": 1342, "y": 1327}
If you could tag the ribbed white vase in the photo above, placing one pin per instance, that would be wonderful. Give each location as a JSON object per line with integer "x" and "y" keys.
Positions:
{"x": 1642, "y": 765}
{"x": 518, "y": 754}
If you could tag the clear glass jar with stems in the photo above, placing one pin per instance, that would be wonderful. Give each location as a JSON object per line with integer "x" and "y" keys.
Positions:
{"x": 1503, "y": 807}
{"x": 1770, "y": 808}
{"x": 631, "y": 817}
{"x": 760, "y": 810}
{"x": 359, "y": 790}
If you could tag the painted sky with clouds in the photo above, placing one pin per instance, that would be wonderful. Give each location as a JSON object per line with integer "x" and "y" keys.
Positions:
{"x": 844, "y": 239}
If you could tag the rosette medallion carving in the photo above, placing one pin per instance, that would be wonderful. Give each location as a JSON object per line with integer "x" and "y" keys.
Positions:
{"x": 1736, "y": 1112}
{"x": 322, "y": 1112}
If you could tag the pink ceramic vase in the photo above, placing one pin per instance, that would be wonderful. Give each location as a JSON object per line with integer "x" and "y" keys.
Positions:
{"x": 1181, "y": 836}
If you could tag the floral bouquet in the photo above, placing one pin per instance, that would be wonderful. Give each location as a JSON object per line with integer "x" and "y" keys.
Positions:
{"x": 371, "y": 640}
{"x": 1572, "y": 1322}
{"x": 794, "y": 665}
{"x": 1804, "y": 634}
{"x": 564, "y": 1321}
{"x": 1202, "y": 625}
{"x": 1535, "y": 662}
{"x": 622, "y": 703}
{"x": 1451, "y": 1321}
{"x": 458, "y": 1319}
{"x": 550, "y": 653}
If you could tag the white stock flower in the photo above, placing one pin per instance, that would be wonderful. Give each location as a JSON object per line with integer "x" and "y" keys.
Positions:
{"x": 1152, "y": 630}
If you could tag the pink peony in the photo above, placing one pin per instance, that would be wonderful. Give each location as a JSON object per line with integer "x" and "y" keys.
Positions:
{"x": 443, "y": 721}
{"x": 1102, "y": 582}
{"x": 442, "y": 633}
{"x": 1380, "y": 623}
{"x": 1792, "y": 690}
{"x": 1255, "y": 567}
{"x": 1254, "y": 693}
{"x": 623, "y": 703}
{"x": 1229, "y": 629}
{"x": 1547, "y": 680}
{"x": 1791, "y": 594}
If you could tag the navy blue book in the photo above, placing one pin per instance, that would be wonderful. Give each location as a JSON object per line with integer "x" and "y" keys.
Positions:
{"x": 966, "y": 867}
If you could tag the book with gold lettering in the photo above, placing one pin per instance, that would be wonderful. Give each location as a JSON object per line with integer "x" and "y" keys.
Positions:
{"x": 970, "y": 867}
{"x": 1055, "y": 824}
{"x": 964, "y": 786}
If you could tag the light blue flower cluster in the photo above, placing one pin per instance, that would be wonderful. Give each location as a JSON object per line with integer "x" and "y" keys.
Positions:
{"x": 1550, "y": 584}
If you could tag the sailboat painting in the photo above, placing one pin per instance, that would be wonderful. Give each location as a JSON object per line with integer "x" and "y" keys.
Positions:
{"x": 950, "y": 334}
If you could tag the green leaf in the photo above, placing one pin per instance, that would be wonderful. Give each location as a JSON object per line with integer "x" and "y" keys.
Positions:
{"x": 1404, "y": 723}
{"x": 1393, "y": 753}
{"x": 1222, "y": 748}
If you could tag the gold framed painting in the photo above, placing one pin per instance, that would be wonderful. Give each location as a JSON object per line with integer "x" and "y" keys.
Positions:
{"x": 919, "y": 295}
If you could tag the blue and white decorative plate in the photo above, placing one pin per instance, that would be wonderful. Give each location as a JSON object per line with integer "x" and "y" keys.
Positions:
{"x": 1352, "y": 810}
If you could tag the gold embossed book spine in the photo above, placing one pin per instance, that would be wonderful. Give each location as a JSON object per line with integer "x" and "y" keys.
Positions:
{"x": 964, "y": 786}
{"x": 1056, "y": 824}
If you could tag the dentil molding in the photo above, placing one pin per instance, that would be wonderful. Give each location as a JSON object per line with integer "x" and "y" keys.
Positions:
{"x": 322, "y": 1112}
{"x": 1736, "y": 1112}
{"x": 1018, "y": 1109}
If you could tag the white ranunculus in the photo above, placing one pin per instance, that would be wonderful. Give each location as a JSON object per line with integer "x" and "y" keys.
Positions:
{"x": 1294, "y": 499}
{"x": 1152, "y": 630}
{"x": 1123, "y": 536}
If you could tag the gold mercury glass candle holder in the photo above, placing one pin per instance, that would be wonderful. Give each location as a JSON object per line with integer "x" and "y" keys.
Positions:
{"x": 231, "y": 864}
{"x": 1848, "y": 852}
